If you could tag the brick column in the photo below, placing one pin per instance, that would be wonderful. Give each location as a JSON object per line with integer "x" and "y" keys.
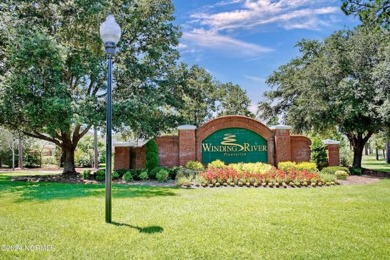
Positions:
{"x": 332, "y": 152}
{"x": 121, "y": 157}
{"x": 187, "y": 144}
{"x": 282, "y": 143}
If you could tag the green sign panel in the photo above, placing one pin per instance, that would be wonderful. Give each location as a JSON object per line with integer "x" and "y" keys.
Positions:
{"x": 234, "y": 145}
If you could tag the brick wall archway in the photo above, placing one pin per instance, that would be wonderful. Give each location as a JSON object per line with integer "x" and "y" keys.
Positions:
{"x": 234, "y": 122}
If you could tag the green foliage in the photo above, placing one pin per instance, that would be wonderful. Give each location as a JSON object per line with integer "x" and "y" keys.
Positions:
{"x": 82, "y": 159}
{"x": 121, "y": 172}
{"x": 346, "y": 156}
{"x": 341, "y": 175}
{"x": 327, "y": 178}
{"x": 350, "y": 65}
{"x": 144, "y": 175}
{"x": 195, "y": 165}
{"x": 216, "y": 164}
{"x": 153, "y": 173}
{"x": 127, "y": 177}
{"x": 333, "y": 169}
{"x": 54, "y": 69}
{"x": 356, "y": 170}
{"x": 162, "y": 175}
{"x": 188, "y": 173}
{"x": 115, "y": 175}
{"x": 198, "y": 94}
{"x": 152, "y": 157}
{"x": 100, "y": 175}
{"x": 87, "y": 174}
{"x": 135, "y": 173}
{"x": 371, "y": 13}
{"x": 233, "y": 100}
{"x": 318, "y": 153}
{"x": 173, "y": 172}
{"x": 183, "y": 181}
{"x": 49, "y": 160}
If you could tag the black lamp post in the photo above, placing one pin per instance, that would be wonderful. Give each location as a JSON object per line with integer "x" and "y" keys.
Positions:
{"x": 110, "y": 33}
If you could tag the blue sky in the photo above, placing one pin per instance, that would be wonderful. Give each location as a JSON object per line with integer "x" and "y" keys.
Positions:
{"x": 244, "y": 41}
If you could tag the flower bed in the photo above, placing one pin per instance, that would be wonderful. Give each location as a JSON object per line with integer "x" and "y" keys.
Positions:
{"x": 256, "y": 175}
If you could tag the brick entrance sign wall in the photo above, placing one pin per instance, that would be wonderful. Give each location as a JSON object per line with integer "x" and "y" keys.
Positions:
{"x": 232, "y": 138}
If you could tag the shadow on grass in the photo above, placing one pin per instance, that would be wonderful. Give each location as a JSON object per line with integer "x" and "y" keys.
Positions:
{"x": 147, "y": 230}
{"x": 44, "y": 191}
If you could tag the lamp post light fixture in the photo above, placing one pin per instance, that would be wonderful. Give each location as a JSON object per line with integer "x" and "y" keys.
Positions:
{"x": 110, "y": 33}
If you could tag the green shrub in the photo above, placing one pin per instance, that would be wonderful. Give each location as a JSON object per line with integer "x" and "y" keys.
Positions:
{"x": 162, "y": 175}
{"x": 135, "y": 173}
{"x": 87, "y": 174}
{"x": 115, "y": 175}
{"x": 333, "y": 169}
{"x": 144, "y": 175}
{"x": 216, "y": 164}
{"x": 318, "y": 153}
{"x": 327, "y": 178}
{"x": 152, "y": 174}
{"x": 173, "y": 172}
{"x": 49, "y": 160}
{"x": 341, "y": 175}
{"x": 346, "y": 156}
{"x": 356, "y": 171}
{"x": 127, "y": 177}
{"x": 183, "y": 181}
{"x": 121, "y": 172}
{"x": 287, "y": 166}
{"x": 195, "y": 165}
{"x": 152, "y": 157}
{"x": 100, "y": 175}
{"x": 187, "y": 173}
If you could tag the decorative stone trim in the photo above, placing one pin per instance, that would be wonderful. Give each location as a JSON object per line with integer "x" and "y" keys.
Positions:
{"x": 281, "y": 127}
{"x": 186, "y": 127}
{"x": 329, "y": 141}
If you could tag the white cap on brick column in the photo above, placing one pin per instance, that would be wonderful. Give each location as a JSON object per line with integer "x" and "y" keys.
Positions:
{"x": 281, "y": 127}
{"x": 329, "y": 141}
{"x": 186, "y": 127}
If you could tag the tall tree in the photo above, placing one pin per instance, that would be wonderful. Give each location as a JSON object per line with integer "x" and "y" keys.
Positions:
{"x": 198, "y": 94}
{"x": 332, "y": 84}
{"x": 55, "y": 73}
{"x": 233, "y": 100}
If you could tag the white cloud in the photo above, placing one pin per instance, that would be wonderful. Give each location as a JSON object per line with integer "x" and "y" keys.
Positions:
{"x": 213, "y": 40}
{"x": 218, "y": 26}
{"x": 256, "y": 79}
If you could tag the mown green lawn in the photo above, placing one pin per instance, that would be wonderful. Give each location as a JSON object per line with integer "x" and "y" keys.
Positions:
{"x": 340, "y": 222}
{"x": 370, "y": 162}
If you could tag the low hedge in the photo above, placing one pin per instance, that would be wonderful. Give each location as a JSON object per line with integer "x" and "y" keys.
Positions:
{"x": 334, "y": 169}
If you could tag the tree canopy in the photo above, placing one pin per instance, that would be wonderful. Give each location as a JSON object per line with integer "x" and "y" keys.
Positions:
{"x": 54, "y": 67}
{"x": 339, "y": 82}
{"x": 370, "y": 12}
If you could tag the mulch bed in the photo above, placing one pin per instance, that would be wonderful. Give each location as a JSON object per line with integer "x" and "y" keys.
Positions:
{"x": 368, "y": 177}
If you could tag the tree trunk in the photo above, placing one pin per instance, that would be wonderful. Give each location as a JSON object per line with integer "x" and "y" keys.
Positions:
{"x": 20, "y": 160}
{"x": 96, "y": 151}
{"x": 69, "y": 165}
{"x": 388, "y": 152}
{"x": 357, "y": 155}
{"x": 366, "y": 149}
{"x": 376, "y": 154}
